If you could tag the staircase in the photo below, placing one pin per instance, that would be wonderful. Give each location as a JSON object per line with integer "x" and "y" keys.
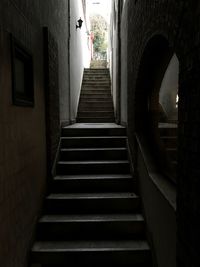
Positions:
{"x": 92, "y": 217}
{"x": 96, "y": 103}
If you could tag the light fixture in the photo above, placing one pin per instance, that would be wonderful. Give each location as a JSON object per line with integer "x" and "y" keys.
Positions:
{"x": 80, "y": 22}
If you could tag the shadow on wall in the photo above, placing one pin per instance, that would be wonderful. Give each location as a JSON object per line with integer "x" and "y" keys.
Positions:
{"x": 154, "y": 82}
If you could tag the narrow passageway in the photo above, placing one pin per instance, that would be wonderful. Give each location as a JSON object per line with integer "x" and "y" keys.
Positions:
{"x": 96, "y": 103}
{"x": 92, "y": 215}
{"x": 100, "y": 131}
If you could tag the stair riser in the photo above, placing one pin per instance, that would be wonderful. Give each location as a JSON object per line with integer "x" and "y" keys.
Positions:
{"x": 98, "y": 77}
{"x": 101, "y": 78}
{"x": 99, "y": 82}
{"x": 95, "y": 104}
{"x": 95, "y": 91}
{"x": 112, "y": 258}
{"x": 172, "y": 155}
{"x": 90, "y": 230}
{"x": 93, "y": 206}
{"x": 96, "y": 109}
{"x": 94, "y": 155}
{"x": 95, "y": 97}
{"x": 168, "y": 131}
{"x": 93, "y": 132}
{"x": 95, "y": 114}
{"x": 169, "y": 142}
{"x": 92, "y": 185}
{"x": 110, "y": 168}
{"x": 95, "y": 120}
{"x": 92, "y": 143}
{"x": 96, "y": 71}
{"x": 96, "y": 87}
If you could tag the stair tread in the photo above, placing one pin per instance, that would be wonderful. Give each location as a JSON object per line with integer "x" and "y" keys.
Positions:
{"x": 92, "y": 195}
{"x": 93, "y": 137}
{"x": 94, "y": 149}
{"x": 168, "y": 137}
{"x": 105, "y": 245}
{"x": 91, "y": 218}
{"x": 93, "y": 177}
{"x": 93, "y": 162}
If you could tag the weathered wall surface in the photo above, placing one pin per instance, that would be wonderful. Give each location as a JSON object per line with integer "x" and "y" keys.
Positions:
{"x": 79, "y": 53}
{"x": 22, "y": 130}
{"x": 115, "y": 57}
{"x": 175, "y": 23}
{"x": 124, "y": 65}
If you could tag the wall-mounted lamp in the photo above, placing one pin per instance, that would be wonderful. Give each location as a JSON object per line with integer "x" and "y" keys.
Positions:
{"x": 80, "y": 22}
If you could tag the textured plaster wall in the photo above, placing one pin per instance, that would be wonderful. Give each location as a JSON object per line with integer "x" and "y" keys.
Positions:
{"x": 22, "y": 130}
{"x": 124, "y": 60}
{"x": 79, "y": 53}
{"x": 176, "y": 22}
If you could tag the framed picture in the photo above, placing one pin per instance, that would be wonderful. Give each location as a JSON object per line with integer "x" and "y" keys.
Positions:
{"x": 22, "y": 75}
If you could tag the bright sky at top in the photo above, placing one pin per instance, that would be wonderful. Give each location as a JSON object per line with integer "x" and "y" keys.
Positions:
{"x": 102, "y": 7}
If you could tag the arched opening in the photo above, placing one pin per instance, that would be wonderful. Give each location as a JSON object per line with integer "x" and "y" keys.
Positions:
{"x": 168, "y": 95}
{"x": 168, "y": 103}
{"x": 156, "y": 102}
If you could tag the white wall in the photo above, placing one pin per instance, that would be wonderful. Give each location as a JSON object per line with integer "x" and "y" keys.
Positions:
{"x": 79, "y": 53}
{"x": 114, "y": 52}
{"x": 124, "y": 60}
{"x": 169, "y": 89}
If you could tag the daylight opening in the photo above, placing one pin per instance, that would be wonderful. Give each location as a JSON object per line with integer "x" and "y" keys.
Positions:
{"x": 99, "y": 14}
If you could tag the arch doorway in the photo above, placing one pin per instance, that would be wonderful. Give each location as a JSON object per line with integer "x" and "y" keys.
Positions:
{"x": 156, "y": 101}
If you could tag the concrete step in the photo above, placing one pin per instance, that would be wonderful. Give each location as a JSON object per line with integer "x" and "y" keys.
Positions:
{"x": 95, "y": 109}
{"x": 93, "y": 183}
{"x": 91, "y": 131}
{"x": 172, "y": 153}
{"x": 95, "y": 120}
{"x": 96, "y": 70}
{"x": 168, "y": 129}
{"x": 95, "y": 104}
{"x": 90, "y": 227}
{"x": 96, "y": 99}
{"x": 169, "y": 141}
{"x": 174, "y": 164}
{"x": 93, "y": 153}
{"x": 89, "y": 114}
{"x": 92, "y": 203}
{"x": 96, "y": 96}
{"x": 93, "y": 167}
{"x": 86, "y": 253}
{"x": 88, "y": 77}
{"x": 99, "y": 102}
{"x": 96, "y": 75}
{"x": 93, "y": 141}
{"x": 95, "y": 91}
{"x": 91, "y": 81}
{"x": 96, "y": 87}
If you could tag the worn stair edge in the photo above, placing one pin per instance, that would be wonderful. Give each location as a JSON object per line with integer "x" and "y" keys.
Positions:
{"x": 109, "y": 252}
{"x": 91, "y": 227}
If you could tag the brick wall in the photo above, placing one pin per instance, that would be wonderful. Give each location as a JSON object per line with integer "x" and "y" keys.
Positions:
{"x": 178, "y": 23}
